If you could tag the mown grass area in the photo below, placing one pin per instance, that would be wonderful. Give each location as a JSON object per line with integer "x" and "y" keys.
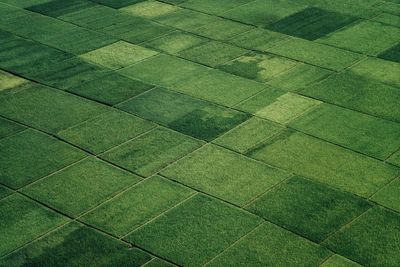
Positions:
{"x": 199, "y": 133}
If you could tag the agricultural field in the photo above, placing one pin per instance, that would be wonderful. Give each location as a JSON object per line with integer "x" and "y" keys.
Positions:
{"x": 200, "y": 133}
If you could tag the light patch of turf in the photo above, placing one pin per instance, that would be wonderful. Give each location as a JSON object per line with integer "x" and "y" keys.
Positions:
{"x": 219, "y": 87}
{"x": 213, "y": 7}
{"x": 367, "y": 37}
{"x": 298, "y": 77}
{"x": 287, "y": 107}
{"x": 30, "y": 155}
{"x": 257, "y": 39}
{"x": 225, "y": 174}
{"x": 316, "y": 54}
{"x": 106, "y": 131}
{"x": 76, "y": 245}
{"x": 367, "y": 134}
{"x": 9, "y": 81}
{"x": 150, "y": 9}
{"x": 81, "y": 186}
{"x": 328, "y": 163}
{"x": 308, "y": 208}
{"x": 270, "y": 245}
{"x": 194, "y": 232}
{"x": 372, "y": 239}
{"x": 339, "y": 261}
{"x": 152, "y": 151}
{"x": 137, "y": 206}
{"x": 261, "y": 100}
{"x": 164, "y": 70}
{"x": 212, "y": 53}
{"x": 23, "y": 220}
{"x": 258, "y": 67}
{"x": 118, "y": 55}
{"x": 358, "y": 93}
{"x": 175, "y": 42}
{"x": 222, "y": 29}
{"x": 186, "y": 19}
{"x": 378, "y": 69}
{"x": 185, "y": 114}
{"x": 389, "y": 195}
{"x": 249, "y": 134}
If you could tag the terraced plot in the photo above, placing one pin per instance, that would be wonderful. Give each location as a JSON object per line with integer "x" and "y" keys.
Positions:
{"x": 163, "y": 133}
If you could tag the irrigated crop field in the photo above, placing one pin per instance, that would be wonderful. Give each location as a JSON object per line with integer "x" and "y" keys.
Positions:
{"x": 200, "y": 133}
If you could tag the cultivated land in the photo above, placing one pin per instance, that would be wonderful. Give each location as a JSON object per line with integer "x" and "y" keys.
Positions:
{"x": 200, "y": 133}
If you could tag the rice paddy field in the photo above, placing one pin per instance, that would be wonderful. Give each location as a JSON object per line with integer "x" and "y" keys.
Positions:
{"x": 200, "y": 133}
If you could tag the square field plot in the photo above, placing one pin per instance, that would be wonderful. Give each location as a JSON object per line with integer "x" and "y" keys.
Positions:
{"x": 219, "y": 87}
{"x": 163, "y": 70}
{"x": 76, "y": 245}
{"x": 30, "y": 155}
{"x": 311, "y": 23}
{"x": 185, "y": 114}
{"x": 264, "y": 247}
{"x": 137, "y": 205}
{"x": 316, "y": 54}
{"x": 258, "y": 39}
{"x": 81, "y": 186}
{"x": 326, "y": 209}
{"x": 150, "y": 9}
{"x": 258, "y": 67}
{"x": 152, "y": 151}
{"x": 372, "y": 239}
{"x": 248, "y": 134}
{"x": 106, "y": 131}
{"x": 367, "y": 37}
{"x": 23, "y": 220}
{"x": 110, "y": 89}
{"x": 212, "y": 53}
{"x": 225, "y": 174}
{"x": 389, "y": 195}
{"x": 328, "y": 163}
{"x": 213, "y": 7}
{"x": 118, "y": 55}
{"x": 222, "y": 29}
{"x": 358, "y": 93}
{"x": 195, "y": 231}
{"x": 48, "y": 109}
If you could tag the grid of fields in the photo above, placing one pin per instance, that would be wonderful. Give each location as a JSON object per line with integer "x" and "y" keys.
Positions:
{"x": 200, "y": 133}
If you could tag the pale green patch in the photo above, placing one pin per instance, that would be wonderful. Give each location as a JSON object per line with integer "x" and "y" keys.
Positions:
{"x": 150, "y": 9}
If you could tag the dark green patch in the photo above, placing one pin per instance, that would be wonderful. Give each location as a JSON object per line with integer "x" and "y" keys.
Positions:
{"x": 308, "y": 208}
{"x": 23, "y": 220}
{"x": 185, "y": 114}
{"x": 311, "y": 23}
{"x": 76, "y": 245}
{"x": 4, "y": 191}
{"x": 392, "y": 54}
{"x": 372, "y": 239}
{"x": 30, "y": 155}
{"x": 195, "y": 231}
{"x": 57, "y": 8}
{"x": 8, "y": 127}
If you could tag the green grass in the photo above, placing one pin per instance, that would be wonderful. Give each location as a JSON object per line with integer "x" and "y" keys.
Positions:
{"x": 8, "y": 128}
{"x": 152, "y": 151}
{"x": 58, "y": 8}
{"x": 24, "y": 220}
{"x": 392, "y": 54}
{"x": 388, "y": 195}
{"x": 64, "y": 248}
{"x": 271, "y": 245}
{"x": 137, "y": 206}
{"x": 257, "y": 39}
{"x": 370, "y": 239}
{"x": 30, "y": 155}
{"x": 195, "y": 231}
{"x": 225, "y": 174}
{"x": 326, "y": 209}
{"x": 81, "y": 186}
{"x": 327, "y": 163}
{"x": 175, "y": 42}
